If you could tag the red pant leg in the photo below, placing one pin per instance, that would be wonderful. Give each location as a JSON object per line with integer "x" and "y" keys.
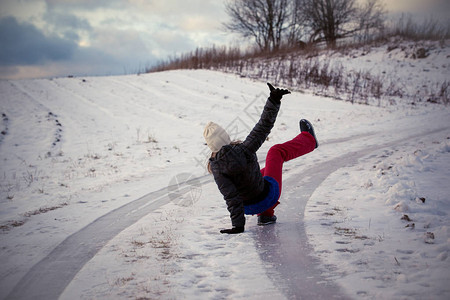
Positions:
{"x": 278, "y": 154}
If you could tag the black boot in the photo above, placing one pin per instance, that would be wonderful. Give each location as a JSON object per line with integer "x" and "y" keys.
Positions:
{"x": 305, "y": 125}
{"x": 266, "y": 220}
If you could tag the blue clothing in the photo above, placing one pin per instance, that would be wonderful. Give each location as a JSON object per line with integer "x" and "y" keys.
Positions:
{"x": 270, "y": 200}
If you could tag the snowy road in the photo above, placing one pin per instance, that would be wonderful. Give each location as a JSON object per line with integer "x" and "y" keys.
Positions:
{"x": 284, "y": 246}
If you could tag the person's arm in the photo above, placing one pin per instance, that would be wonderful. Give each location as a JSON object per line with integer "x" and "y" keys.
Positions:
{"x": 235, "y": 203}
{"x": 266, "y": 122}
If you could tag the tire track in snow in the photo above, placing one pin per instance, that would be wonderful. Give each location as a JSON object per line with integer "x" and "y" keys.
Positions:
{"x": 88, "y": 102}
{"x": 36, "y": 119}
{"x": 194, "y": 89}
{"x": 49, "y": 277}
{"x": 161, "y": 97}
{"x": 283, "y": 246}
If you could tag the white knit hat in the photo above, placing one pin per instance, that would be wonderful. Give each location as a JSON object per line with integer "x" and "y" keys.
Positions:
{"x": 215, "y": 136}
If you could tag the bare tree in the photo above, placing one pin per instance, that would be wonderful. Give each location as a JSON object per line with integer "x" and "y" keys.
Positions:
{"x": 272, "y": 23}
{"x": 371, "y": 17}
{"x": 327, "y": 19}
{"x": 296, "y": 25}
{"x": 264, "y": 20}
{"x": 330, "y": 20}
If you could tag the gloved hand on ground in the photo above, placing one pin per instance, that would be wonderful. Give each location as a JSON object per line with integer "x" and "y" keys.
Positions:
{"x": 233, "y": 230}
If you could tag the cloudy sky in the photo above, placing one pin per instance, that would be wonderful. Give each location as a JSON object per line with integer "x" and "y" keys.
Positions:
{"x": 44, "y": 38}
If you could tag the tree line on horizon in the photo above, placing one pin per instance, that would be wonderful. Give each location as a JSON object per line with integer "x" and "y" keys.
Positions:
{"x": 274, "y": 24}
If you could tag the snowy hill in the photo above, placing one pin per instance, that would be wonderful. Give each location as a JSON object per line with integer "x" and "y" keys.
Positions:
{"x": 396, "y": 71}
{"x": 75, "y": 149}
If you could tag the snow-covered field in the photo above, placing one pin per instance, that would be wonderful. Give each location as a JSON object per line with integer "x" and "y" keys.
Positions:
{"x": 74, "y": 149}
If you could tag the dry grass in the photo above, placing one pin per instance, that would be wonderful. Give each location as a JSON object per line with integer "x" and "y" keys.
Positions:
{"x": 300, "y": 68}
{"x": 43, "y": 210}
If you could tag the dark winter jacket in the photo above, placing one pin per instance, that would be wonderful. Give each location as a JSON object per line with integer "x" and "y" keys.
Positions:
{"x": 236, "y": 169}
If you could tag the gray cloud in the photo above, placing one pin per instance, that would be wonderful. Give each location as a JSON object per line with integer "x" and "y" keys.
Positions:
{"x": 67, "y": 25}
{"x": 85, "y": 4}
{"x": 84, "y": 37}
{"x": 172, "y": 41}
{"x": 24, "y": 44}
{"x": 65, "y": 20}
{"x": 112, "y": 52}
{"x": 439, "y": 9}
